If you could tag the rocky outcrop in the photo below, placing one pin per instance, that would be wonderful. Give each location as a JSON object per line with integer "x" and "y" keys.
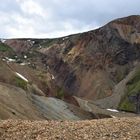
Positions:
{"x": 19, "y": 46}
{"x": 15, "y": 103}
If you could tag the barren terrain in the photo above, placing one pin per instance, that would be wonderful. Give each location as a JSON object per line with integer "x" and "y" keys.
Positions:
{"x": 103, "y": 129}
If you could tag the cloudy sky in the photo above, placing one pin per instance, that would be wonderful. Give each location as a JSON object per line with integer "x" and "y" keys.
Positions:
{"x": 54, "y": 18}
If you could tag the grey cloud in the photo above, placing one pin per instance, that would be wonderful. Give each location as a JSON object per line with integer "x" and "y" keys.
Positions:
{"x": 57, "y": 18}
{"x": 9, "y": 6}
{"x": 100, "y": 11}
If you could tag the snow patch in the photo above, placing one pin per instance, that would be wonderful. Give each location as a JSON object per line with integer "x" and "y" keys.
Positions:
{"x": 113, "y": 116}
{"x": 3, "y": 59}
{"x": 40, "y": 46}
{"x": 113, "y": 110}
{"x": 25, "y": 56}
{"x": 23, "y": 64}
{"x": 65, "y": 38}
{"x": 52, "y": 77}
{"x": 10, "y": 59}
{"x": 21, "y": 76}
{"x": 3, "y": 40}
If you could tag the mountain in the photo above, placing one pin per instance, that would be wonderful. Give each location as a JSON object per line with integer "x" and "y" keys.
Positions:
{"x": 95, "y": 74}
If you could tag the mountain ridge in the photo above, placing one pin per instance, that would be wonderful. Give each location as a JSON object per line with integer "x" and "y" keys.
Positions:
{"x": 79, "y": 71}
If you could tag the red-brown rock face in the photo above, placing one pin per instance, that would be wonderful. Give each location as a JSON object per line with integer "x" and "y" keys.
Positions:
{"x": 19, "y": 46}
{"x": 88, "y": 65}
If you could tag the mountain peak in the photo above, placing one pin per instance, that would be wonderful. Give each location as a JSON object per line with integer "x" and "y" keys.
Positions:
{"x": 130, "y": 20}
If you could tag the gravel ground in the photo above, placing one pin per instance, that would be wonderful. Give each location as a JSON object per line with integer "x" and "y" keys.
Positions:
{"x": 103, "y": 129}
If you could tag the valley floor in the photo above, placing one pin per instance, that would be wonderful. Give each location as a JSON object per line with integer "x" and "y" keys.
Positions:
{"x": 108, "y": 129}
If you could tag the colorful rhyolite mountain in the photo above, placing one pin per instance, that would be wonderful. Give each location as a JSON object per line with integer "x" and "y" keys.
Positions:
{"x": 95, "y": 74}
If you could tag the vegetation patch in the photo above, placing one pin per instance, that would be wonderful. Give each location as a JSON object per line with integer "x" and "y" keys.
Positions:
{"x": 60, "y": 93}
{"x": 20, "y": 82}
{"x": 4, "y": 48}
{"x": 133, "y": 87}
{"x": 126, "y": 105}
{"x": 48, "y": 43}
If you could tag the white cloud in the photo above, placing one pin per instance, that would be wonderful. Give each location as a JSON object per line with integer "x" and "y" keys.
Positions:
{"x": 31, "y": 7}
{"x": 53, "y": 18}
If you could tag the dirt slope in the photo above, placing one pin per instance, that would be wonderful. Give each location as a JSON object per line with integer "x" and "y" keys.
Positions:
{"x": 15, "y": 103}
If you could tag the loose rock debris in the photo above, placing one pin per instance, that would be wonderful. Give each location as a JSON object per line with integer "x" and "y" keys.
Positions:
{"x": 103, "y": 129}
